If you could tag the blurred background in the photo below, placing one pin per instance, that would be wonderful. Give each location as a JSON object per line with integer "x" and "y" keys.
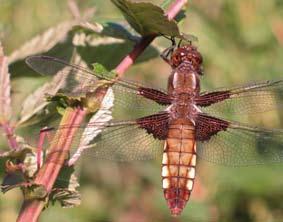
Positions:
{"x": 241, "y": 41}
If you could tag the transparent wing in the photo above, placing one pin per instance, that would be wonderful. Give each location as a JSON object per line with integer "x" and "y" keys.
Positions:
{"x": 81, "y": 80}
{"x": 251, "y": 98}
{"x": 125, "y": 143}
{"x": 140, "y": 139}
{"x": 235, "y": 144}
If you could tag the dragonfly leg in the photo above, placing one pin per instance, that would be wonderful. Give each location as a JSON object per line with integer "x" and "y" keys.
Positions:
{"x": 168, "y": 51}
{"x": 39, "y": 150}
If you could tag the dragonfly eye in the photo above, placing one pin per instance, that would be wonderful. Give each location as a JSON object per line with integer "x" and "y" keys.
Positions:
{"x": 197, "y": 62}
{"x": 176, "y": 59}
{"x": 188, "y": 54}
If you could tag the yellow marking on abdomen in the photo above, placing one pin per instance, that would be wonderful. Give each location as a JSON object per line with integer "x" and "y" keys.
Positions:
{"x": 178, "y": 165}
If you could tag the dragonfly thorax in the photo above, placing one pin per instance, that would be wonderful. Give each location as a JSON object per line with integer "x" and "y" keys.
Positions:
{"x": 183, "y": 80}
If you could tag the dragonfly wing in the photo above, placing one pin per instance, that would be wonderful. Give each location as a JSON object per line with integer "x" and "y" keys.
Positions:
{"x": 140, "y": 139}
{"x": 252, "y": 98}
{"x": 81, "y": 80}
{"x": 235, "y": 144}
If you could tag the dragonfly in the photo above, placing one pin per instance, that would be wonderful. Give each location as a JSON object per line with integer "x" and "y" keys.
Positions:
{"x": 181, "y": 123}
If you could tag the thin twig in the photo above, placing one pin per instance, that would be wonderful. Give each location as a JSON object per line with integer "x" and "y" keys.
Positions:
{"x": 5, "y": 101}
{"x": 10, "y": 135}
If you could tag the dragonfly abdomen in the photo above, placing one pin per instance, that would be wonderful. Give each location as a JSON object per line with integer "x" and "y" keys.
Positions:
{"x": 178, "y": 165}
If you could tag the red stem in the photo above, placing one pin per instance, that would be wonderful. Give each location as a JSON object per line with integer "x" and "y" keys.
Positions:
{"x": 60, "y": 149}
{"x": 48, "y": 173}
{"x": 39, "y": 150}
{"x": 172, "y": 11}
{"x": 9, "y": 132}
{"x": 175, "y": 8}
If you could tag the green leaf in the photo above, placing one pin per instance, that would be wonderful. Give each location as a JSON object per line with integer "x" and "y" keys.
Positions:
{"x": 30, "y": 190}
{"x": 62, "y": 101}
{"x": 34, "y": 191}
{"x": 108, "y": 29}
{"x": 66, "y": 178}
{"x": 43, "y": 42}
{"x": 11, "y": 181}
{"x": 99, "y": 69}
{"x": 146, "y": 18}
{"x": 20, "y": 167}
{"x": 102, "y": 72}
{"x": 117, "y": 30}
{"x": 189, "y": 37}
{"x": 66, "y": 197}
{"x": 103, "y": 53}
{"x": 65, "y": 189}
{"x": 17, "y": 154}
{"x": 36, "y": 103}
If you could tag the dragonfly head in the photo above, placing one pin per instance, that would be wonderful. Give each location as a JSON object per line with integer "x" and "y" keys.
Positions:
{"x": 188, "y": 54}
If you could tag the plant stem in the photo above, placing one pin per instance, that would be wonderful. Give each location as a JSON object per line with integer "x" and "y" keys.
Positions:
{"x": 128, "y": 60}
{"x": 10, "y": 135}
{"x": 5, "y": 101}
{"x": 48, "y": 173}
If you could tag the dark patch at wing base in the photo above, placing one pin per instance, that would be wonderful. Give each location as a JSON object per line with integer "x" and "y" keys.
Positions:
{"x": 156, "y": 124}
{"x": 156, "y": 95}
{"x": 242, "y": 145}
{"x": 208, "y": 126}
{"x": 211, "y": 98}
{"x": 252, "y": 98}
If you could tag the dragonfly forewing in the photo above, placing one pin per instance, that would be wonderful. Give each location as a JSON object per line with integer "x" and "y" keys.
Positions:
{"x": 248, "y": 99}
{"x": 81, "y": 81}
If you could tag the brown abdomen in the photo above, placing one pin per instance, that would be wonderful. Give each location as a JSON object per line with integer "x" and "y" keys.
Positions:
{"x": 178, "y": 164}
